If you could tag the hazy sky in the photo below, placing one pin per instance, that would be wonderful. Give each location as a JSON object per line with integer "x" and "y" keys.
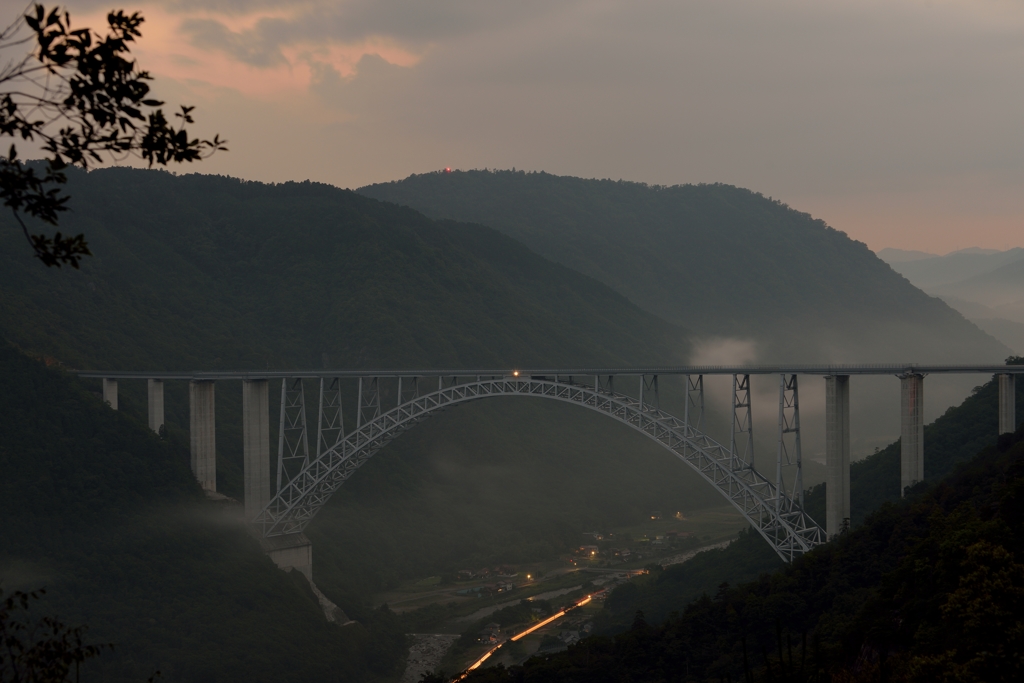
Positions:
{"x": 900, "y": 122}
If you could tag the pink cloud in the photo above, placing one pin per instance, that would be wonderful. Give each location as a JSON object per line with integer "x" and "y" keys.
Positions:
{"x": 166, "y": 51}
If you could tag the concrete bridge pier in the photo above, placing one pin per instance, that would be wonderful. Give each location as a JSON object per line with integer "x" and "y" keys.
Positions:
{"x": 201, "y": 433}
{"x": 110, "y": 392}
{"x": 155, "y": 390}
{"x": 837, "y": 453}
{"x": 256, "y": 445}
{"x": 1007, "y": 404}
{"x": 912, "y": 430}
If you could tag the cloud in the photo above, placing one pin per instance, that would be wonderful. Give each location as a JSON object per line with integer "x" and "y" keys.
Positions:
{"x": 183, "y": 6}
{"x": 892, "y": 120}
{"x": 417, "y": 21}
{"x": 304, "y": 38}
{"x": 415, "y": 24}
{"x": 253, "y": 46}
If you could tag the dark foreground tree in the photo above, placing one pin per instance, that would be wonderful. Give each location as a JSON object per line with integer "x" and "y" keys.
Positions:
{"x": 38, "y": 650}
{"x": 78, "y": 97}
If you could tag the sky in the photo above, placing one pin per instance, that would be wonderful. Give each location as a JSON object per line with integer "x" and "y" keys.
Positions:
{"x": 900, "y": 122}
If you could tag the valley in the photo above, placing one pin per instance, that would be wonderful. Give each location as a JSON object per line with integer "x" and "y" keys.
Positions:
{"x": 471, "y": 594}
{"x": 511, "y": 342}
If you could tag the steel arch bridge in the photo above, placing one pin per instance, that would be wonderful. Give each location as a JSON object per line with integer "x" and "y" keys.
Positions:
{"x": 776, "y": 514}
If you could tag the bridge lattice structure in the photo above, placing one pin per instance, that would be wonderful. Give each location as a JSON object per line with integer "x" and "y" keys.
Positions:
{"x": 306, "y": 483}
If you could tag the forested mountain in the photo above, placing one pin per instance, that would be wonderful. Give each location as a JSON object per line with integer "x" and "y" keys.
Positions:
{"x": 929, "y": 589}
{"x": 107, "y": 517}
{"x": 717, "y": 259}
{"x": 213, "y": 272}
{"x": 201, "y": 272}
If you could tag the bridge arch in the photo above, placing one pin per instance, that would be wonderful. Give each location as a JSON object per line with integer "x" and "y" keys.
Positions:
{"x": 778, "y": 518}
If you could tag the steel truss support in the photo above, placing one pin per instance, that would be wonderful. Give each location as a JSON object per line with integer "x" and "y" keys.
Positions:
{"x": 408, "y": 389}
{"x": 292, "y": 443}
{"x": 369, "y": 401}
{"x": 779, "y": 520}
{"x": 693, "y": 411}
{"x": 330, "y": 424}
{"x": 604, "y": 384}
{"x": 789, "y": 443}
{"x": 649, "y": 389}
{"x": 742, "y": 424}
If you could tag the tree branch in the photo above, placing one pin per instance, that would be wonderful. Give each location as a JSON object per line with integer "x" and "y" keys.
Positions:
{"x": 88, "y": 82}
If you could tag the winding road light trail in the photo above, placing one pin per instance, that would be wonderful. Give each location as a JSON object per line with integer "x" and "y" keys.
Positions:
{"x": 542, "y": 624}
{"x": 550, "y": 619}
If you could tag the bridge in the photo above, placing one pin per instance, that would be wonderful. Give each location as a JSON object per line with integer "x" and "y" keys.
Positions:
{"x": 389, "y": 402}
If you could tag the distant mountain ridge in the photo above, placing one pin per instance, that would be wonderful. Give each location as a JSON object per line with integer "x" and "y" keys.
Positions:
{"x": 891, "y": 255}
{"x": 717, "y": 259}
{"x": 985, "y": 285}
{"x": 998, "y": 287}
{"x": 934, "y": 271}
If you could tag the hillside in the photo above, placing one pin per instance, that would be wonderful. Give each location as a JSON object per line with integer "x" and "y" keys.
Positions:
{"x": 207, "y": 272}
{"x": 950, "y": 441}
{"x": 717, "y": 259}
{"x": 107, "y": 518}
{"x": 214, "y": 273}
{"x": 928, "y": 589}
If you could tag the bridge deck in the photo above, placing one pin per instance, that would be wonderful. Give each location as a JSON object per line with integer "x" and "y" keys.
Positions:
{"x": 869, "y": 369}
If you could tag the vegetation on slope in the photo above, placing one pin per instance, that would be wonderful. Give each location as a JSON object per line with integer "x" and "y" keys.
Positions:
{"x": 201, "y": 272}
{"x": 928, "y": 589}
{"x": 671, "y": 589}
{"x": 715, "y": 258}
{"x": 108, "y": 518}
{"x": 217, "y": 273}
